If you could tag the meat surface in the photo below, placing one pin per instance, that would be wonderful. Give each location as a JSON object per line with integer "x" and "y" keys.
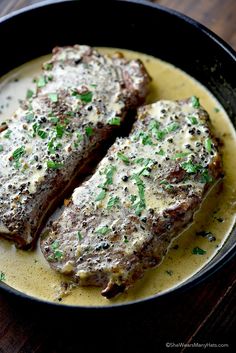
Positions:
{"x": 122, "y": 220}
{"x": 82, "y": 97}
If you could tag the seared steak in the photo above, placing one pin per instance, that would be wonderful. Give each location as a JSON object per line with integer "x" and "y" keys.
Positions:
{"x": 144, "y": 192}
{"x": 82, "y": 98}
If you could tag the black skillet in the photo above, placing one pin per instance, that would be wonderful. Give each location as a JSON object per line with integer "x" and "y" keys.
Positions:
{"x": 135, "y": 25}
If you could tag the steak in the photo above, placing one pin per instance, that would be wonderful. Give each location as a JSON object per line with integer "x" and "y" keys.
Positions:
{"x": 82, "y": 97}
{"x": 121, "y": 221}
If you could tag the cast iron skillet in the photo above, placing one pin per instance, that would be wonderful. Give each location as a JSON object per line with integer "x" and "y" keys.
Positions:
{"x": 135, "y": 25}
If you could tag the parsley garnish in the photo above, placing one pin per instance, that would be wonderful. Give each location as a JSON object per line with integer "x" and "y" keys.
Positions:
{"x": 85, "y": 97}
{"x": 29, "y": 94}
{"x": 29, "y": 117}
{"x": 54, "y": 119}
{"x": 208, "y": 145}
{"x": 18, "y": 153}
{"x": 54, "y": 165}
{"x": 114, "y": 121}
{"x": 126, "y": 239}
{"x": 57, "y": 253}
{"x": 59, "y": 131}
{"x": 89, "y": 131}
{"x": 7, "y": 134}
{"x": 189, "y": 167}
{"x": 161, "y": 152}
{"x": 198, "y": 251}
{"x": 172, "y": 127}
{"x": 166, "y": 185}
{"x": 48, "y": 66}
{"x": 181, "y": 155}
{"x": 113, "y": 201}
{"x": 193, "y": 120}
{"x": 103, "y": 230}
{"x": 42, "y": 134}
{"x": 53, "y": 97}
{"x": 2, "y": 276}
{"x": 123, "y": 158}
{"x": 216, "y": 110}
{"x": 141, "y": 204}
{"x": 79, "y": 235}
{"x": 1, "y": 148}
{"x": 206, "y": 177}
{"x": 101, "y": 195}
{"x": 195, "y": 102}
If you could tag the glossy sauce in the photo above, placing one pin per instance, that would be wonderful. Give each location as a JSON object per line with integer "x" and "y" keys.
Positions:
{"x": 28, "y": 272}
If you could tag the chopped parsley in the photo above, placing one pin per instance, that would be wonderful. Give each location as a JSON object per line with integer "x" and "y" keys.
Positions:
{"x": 53, "y": 97}
{"x": 1, "y": 148}
{"x": 160, "y": 134}
{"x": 42, "y": 134}
{"x": 172, "y": 127}
{"x": 133, "y": 198}
{"x": 198, "y": 251}
{"x": 166, "y": 185}
{"x": 206, "y": 177}
{"x": 7, "y": 134}
{"x": 208, "y": 145}
{"x": 141, "y": 204}
{"x": 160, "y": 152}
{"x": 113, "y": 201}
{"x": 103, "y": 230}
{"x": 189, "y": 167}
{"x": 84, "y": 97}
{"x": 89, "y": 131}
{"x": 123, "y": 158}
{"x": 59, "y": 130}
{"x": 42, "y": 81}
{"x": 18, "y": 153}
{"x": 29, "y": 117}
{"x": 2, "y": 276}
{"x": 195, "y": 102}
{"x": 54, "y": 165}
{"x": 114, "y": 121}
{"x": 54, "y": 119}
{"x": 48, "y": 66}
{"x": 109, "y": 175}
{"x": 101, "y": 195}
{"x": 154, "y": 125}
{"x": 56, "y": 253}
{"x": 126, "y": 240}
{"x": 181, "y": 155}
{"x": 216, "y": 110}
{"x": 146, "y": 139}
{"x": 193, "y": 120}
{"x": 79, "y": 235}
{"x": 29, "y": 94}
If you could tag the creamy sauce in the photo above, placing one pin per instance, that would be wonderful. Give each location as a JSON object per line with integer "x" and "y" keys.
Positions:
{"x": 29, "y": 272}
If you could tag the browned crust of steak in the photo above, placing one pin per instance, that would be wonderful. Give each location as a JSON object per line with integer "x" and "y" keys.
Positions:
{"x": 144, "y": 192}
{"x": 82, "y": 97}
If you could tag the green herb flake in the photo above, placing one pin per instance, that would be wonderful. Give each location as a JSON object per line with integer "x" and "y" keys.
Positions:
{"x": 153, "y": 125}
{"x": 133, "y": 198}
{"x": 103, "y": 230}
{"x": 54, "y": 119}
{"x": 29, "y": 117}
{"x": 48, "y": 66}
{"x": 160, "y": 134}
{"x": 146, "y": 139}
{"x": 181, "y": 155}
{"x": 41, "y": 82}
{"x": 193, "y": 120}
{"x": 166, "y": 185}
{"x": 126, "y": 240}
{"x": 18, "y": 153}
{"x": 141, "y": 204}
{"x": 53, "y": 97}
{"x": 206, "y": 177}
{"x": 79, "y": 235}
{"x": 29, "y": 94}
{"x": 101, "y": 196}
{"x": 198, "y": 251}
{"x": 54, "y": 165}
{"x": 86, "y": 97}
{"x": 195, "y": 102}
{"x": 208, "y": 145}
{"x": 113, "y": 201}
{"x": 189, "y": 167}
{"x": 1, "y": 148}
{"x": 42, "y": 134}
{"x": 172, "y": 127}
{"x": 59, "y": 130}
{"x": 2, "y": 276}
{"x": 114, "y": 121}
{"x": 89, "y": 131}
{"x": 109, "y": 175}
{"x": 7, "y": 134}
{"x": 160, "y": 152}
{"x": 124, "y": 158}
{"x": 216, "y": 110}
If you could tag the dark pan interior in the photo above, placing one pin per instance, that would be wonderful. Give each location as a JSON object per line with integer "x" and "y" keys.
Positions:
{"x": 133, "y": 25}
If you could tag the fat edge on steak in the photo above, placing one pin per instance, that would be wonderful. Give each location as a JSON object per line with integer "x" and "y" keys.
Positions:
{"x": 82, "y": 97}
{"x": 144, "y": 192}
